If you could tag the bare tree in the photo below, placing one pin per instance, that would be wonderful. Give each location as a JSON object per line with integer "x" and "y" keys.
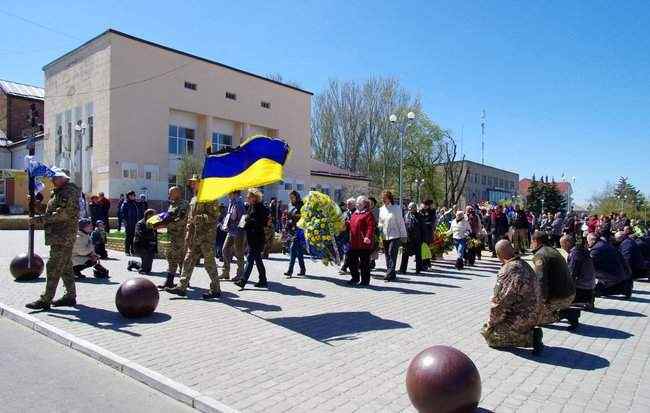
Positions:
{"x": 455, "y": 172}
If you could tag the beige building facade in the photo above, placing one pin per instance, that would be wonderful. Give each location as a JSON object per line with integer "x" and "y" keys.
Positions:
{"x": 121, "y": 112}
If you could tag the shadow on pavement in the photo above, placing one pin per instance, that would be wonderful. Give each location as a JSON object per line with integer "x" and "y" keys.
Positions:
{"x": 617, "y": 312}
{"x": 439, "y": 274}
{"x": 93, "y": 280}
{"x": 564, "y": 357}
{"x": 329, "y": 327}
{"x": 104, "y": 319}
{"x": 482, "y": 410}
{"x": 284, "y": 289}
{"x": 633, "y": 299}
{"x": 640, "y": 292}
{"x": 404, "y": 281}
{"x": 588, "y": 330}
{"x": 384, "y": 287}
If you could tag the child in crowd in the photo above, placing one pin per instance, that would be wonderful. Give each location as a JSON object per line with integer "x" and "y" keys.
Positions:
{"x": 145, "y": 244}
{"x": 98, "y": 237}
{"x": 83, "y": 252}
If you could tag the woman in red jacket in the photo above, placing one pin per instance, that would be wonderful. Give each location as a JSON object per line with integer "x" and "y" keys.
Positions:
{"x": 362, "y": 227}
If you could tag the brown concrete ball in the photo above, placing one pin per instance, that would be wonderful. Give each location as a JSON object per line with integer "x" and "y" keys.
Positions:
{"x": 21, "y": 272}
{"x": 442, "y": 379}
{"x": 137, "y": 297}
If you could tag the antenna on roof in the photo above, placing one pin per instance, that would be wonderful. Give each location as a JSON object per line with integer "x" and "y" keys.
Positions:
{"x": 483, "y": 137}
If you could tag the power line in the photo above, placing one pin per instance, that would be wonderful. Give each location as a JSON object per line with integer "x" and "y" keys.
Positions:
{"x": 136, "y": 82}
{"x": 26, "y": 20}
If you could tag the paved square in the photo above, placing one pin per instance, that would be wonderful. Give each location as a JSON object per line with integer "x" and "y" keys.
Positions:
{"x": 313, "y": 344}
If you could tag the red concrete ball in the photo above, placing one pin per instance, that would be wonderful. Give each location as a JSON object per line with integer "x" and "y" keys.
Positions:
{"x": 137, "y": 297}
{"x": 22, "y": 272}
{"x": 442, "y": 379}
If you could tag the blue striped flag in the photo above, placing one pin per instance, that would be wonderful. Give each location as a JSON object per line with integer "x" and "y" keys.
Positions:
{"x": 256, "y": 162}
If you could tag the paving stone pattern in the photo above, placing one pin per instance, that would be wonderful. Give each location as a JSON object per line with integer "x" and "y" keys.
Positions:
{"x": 313, "y": 344}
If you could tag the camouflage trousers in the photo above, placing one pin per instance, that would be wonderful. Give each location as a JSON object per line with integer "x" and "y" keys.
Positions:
{"x": 550, "y": 312}
{"x": 175, "y": 255}
{"x": 506, "y": 336}
{"x": 59, "y": 266}
{"x": 194, "y": 252}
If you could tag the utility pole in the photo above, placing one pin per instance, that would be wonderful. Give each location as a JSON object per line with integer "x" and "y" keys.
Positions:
{"x": 483, "y": 137}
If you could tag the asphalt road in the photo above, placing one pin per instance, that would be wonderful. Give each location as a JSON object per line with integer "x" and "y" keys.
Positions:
{"x": 40, "y": 375}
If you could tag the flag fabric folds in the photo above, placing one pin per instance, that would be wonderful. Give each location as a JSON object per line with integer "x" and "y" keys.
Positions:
{"x": 36, "y": 168}
{"x": 256, "y": 162}
{"x": 158, "y": 218}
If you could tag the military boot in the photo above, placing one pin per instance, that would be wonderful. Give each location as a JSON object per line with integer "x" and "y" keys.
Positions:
{"x": 100, "y": 272}
{"x": 176, "y": 291}
{"x": 572, "y": 315}
{"x": 169, "y": 282}
{"x": 132, "y": 265}
{"x": 538, "y": 346}
{"x": 65, "y": 301}
{"x": 627, "y": 290}
{"x": 39, "y": 304}
{"x": 211, "y": 294}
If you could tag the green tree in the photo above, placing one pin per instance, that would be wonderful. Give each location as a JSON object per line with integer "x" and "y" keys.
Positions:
{"x": 546, "y": 194}
{"x": 188, "y": 167}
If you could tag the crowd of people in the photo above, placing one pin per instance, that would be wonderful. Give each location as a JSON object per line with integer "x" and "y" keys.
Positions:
{"x": 604, "y": 254}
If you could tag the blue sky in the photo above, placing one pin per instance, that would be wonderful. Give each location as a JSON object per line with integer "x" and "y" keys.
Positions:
{"x": 566, "y": 85}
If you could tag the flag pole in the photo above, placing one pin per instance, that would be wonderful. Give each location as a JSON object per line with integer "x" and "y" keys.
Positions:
{"x": 31, "y": 188}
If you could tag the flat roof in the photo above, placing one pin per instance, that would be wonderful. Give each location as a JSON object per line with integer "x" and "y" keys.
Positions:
{"x": 160, "y": 46}
{"x": 483, "y": 166}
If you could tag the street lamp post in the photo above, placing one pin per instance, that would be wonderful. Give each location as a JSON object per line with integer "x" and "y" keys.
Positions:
{"x": 418, "y": 184}
{"x": 393, "y": 119}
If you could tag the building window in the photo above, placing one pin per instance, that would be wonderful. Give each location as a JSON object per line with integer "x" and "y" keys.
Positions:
{"x": 3, "y": 191}
{"x": 265, "y": 105}
{"x": 288, "y": 186}
{"x": 181, "y": 140}
{"x": 221, "y": 141}
{"x": 490, "y": 181}
{"x": 150, "y": 172}
{"x": 231, "y": 96}
{"x": 171, "y": 181}
{"x": 91, "y": 131}
{"x": 68, "y": 131}
{"x": 483, "y": 180}
{"x": 58, "y": 140}
{"x": 300, "y": 187}
{"x": 190, "y": 85}
{"x": 129, "y": 170}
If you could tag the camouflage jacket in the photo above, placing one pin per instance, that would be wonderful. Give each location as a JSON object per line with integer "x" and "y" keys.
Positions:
{"x": 202, "y": 221}
{"x": 177, "y": 219}
{"x": 61, "y": 217}
{"x": 553, "y": 274}
{"x": 517, "y": 296}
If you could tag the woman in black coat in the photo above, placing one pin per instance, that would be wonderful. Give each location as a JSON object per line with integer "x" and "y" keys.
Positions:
{"x": 256, "y": 217}
{"x": 416, "y": 235}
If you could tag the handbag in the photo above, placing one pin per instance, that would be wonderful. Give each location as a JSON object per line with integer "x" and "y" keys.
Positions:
{"x": 425, "y": 251}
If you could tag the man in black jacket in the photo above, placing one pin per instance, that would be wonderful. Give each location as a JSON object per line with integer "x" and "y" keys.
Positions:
{"x": 499, "y": 226}
{"x": 130, "y": 215}
{"x": 631, "y": 253}
{"x": 581, "y": 269}
{"x": 610, "y": 268}
{"x": 145, "y": 244}
{"x": 428, "y": 214}
{"x": 413, "y": 246}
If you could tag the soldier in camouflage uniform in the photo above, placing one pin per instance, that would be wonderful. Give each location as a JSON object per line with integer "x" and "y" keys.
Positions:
{"x": 60, "y": 222}
{"x": 176, "y": 227}
{"x": 515, "y": 305}
{"x": 199, "y": 240}
{"x": 558, "y": 287}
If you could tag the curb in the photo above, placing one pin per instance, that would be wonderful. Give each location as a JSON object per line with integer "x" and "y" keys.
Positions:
{"x": 140, "y": 373}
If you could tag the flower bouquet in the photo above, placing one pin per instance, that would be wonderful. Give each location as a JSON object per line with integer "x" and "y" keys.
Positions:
{"x": 321, "y": 220}
{"x": 442, "y": 242}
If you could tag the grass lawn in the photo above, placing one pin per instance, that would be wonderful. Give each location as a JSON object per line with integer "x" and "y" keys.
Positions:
{"x": 119, "y": 235}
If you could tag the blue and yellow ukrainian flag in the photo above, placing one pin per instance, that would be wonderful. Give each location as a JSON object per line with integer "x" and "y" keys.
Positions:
{"x": 256, "y": 162}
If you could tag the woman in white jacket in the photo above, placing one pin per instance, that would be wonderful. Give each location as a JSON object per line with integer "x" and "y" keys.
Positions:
{"x": 459, "y": 231}
{"x": 393, "y": 230}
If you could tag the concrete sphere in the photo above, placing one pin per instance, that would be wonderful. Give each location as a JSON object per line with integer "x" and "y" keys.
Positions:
{"x": 137, "y": 297}
{"x": 21, "y": 272}
{"x": 442, "y": 379}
